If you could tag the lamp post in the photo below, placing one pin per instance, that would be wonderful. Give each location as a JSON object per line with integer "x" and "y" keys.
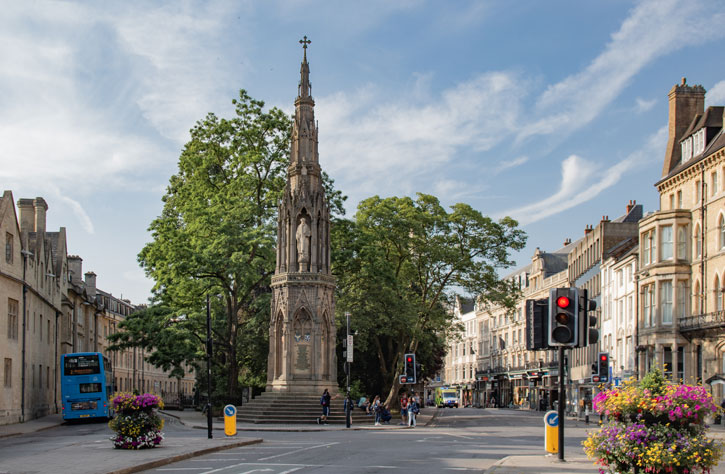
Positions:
{"x": 208, "y": 367}
{"x": 348, "y": 399}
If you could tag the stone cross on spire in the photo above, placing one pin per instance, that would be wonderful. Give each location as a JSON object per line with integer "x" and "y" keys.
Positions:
{"x": 304, "y": 88}
{"x": 304, "y": 42}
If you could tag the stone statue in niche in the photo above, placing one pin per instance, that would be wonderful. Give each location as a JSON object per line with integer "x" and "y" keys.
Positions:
{"x": 303, "y": 241}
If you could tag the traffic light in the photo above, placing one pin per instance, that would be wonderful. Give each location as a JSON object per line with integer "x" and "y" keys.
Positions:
{"x": 537, "y": 323}
{"x": 564, "y": 317}
{"x": 588, "y": 332}
{"x": 604, "y": 366}
{"x": 410, "y": 368}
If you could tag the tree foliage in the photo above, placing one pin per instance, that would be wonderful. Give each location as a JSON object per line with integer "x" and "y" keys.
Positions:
{"x": 216, "y": 234}
{"x": 398, "y": 263}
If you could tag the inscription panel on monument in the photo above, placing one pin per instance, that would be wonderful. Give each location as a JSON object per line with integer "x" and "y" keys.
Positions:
{"x": 302, "y": 354}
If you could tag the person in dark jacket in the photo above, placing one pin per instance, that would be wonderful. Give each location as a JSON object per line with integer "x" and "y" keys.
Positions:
{"x": 325, "y": 402}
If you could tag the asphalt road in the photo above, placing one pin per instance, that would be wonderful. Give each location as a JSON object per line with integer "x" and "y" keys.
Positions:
{"x": 464, "y": 439}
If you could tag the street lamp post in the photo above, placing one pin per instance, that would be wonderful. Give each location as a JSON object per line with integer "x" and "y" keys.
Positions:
{"x": 208, "y": 367}
{"x": 348, "y": 399}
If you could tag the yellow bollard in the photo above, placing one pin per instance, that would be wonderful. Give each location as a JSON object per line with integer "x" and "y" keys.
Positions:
{"x": 230, "y": 420}
{"x": 551, "y": 436}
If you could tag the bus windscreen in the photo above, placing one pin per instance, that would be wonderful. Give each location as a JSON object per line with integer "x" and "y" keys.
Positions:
{"x": 82, "y": 365}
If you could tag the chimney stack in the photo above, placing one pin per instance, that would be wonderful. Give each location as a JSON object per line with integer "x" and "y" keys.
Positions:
{"x": 75, "y": 269}
{"x": 27, "y": 215}
{"x": 91, "y": 284}
{"x": 588, "y": 229}
{"x": 40, "y": 209}
{"x": 685, "y": 103}
{"x": 631, "y": 205}
{"x": 567, "y": 241}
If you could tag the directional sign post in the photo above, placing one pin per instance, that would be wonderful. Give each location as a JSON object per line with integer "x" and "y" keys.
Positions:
{"x": 230, "y": 420}
{"x": 349, "y": 347}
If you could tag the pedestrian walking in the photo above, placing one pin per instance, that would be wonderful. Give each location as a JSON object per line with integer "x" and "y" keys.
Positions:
{"x": 404, "y": 409}
{"x": 376, "y": 409}
{"x": 347, "y": 409}
{"x": 325, "y": 402}
{"x": 413, "y": 410}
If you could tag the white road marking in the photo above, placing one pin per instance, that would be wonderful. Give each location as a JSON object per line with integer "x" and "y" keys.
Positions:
{"x": 181, "y": 468}
{"x": 216, "y": 460}
{"x": 298, "y": 451}
{"x": 291, "y": 470}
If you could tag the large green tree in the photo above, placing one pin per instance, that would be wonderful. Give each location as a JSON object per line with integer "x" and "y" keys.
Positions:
{"x": 398, "y": 263}
{"x": 217, "y": 231}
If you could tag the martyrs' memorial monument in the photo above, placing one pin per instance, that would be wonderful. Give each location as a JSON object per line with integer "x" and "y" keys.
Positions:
{"x": 302, "y": 323}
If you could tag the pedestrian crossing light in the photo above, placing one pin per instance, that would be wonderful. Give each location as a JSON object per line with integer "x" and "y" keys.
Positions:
{"x": 564, "y": 317}
{"x": 588, "y": 332}
{"x": 604, "y": 366}
{"x": 410, "y": 368}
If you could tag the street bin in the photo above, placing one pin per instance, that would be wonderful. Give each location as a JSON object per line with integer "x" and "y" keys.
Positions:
{"x": 230, "y": 420}
{"x": 551, "y": 434}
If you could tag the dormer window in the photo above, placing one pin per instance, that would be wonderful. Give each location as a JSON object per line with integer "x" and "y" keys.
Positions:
{"x": 699, "y": 142}
{"x": 686, "y": 149}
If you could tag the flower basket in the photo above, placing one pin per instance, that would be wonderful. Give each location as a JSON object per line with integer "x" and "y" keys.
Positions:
{"x": 137, "y": 424}
{"x": 654, "y": 427}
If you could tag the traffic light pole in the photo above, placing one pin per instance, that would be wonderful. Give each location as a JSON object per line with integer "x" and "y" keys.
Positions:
{"x": 562, "y": 403}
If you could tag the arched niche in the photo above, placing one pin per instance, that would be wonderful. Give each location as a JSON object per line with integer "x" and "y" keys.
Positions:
{"x": 302, "y": 344}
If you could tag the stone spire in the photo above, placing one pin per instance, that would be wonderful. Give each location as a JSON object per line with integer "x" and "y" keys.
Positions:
{"x": 303, "y": 155}
{"x": 302, "y": 324}
{"x": 305, "y": 88}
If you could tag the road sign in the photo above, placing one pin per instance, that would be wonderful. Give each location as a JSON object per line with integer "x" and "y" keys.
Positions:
{"x": 230, "y": 420}
{"x": 551, "y": 435}
{"x": 349, "y": 348}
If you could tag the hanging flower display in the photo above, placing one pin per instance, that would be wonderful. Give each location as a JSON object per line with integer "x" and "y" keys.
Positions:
{"x": 654, "y": 427}
{"x": 137, "y": 423}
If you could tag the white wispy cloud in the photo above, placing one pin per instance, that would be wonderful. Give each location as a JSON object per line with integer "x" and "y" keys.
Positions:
{"x": 654, "y": 28}
{"x": 101, "y": 96}
{"x": 583, "y": 180}
{"x": 642, "y": 105}
{"x": 508, "y": 164}
{"x": 374, "y": 144}
{"x": 716, "y": 94}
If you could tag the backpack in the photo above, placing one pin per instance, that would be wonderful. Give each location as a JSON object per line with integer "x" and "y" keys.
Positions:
{"x": 322, "y": 400}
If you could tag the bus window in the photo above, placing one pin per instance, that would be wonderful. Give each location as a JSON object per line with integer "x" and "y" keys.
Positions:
{"x": 90, "y": 387}
{"x": 82, "y": 365}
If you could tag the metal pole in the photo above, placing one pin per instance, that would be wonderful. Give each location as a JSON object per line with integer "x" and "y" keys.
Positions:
{"x": 347, "y": 333}
{"x": 562, "y": 403}
{"x": 208, "y": 367}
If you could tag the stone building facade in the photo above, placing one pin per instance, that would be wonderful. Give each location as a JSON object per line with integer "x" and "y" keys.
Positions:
{"x": 682, "y": 248}
{"x": 47, "y": 309}
{"x": 302, "y": 323}
{"x": 460, "y": 361}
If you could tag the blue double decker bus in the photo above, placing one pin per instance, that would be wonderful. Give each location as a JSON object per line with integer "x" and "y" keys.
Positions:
{"x": 86, "y": 385}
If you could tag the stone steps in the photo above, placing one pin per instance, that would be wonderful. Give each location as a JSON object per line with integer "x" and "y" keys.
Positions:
{"x": 294, "y": 408}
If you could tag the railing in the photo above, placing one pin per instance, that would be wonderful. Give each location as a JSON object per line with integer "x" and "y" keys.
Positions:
{"x": 715, "y": 319}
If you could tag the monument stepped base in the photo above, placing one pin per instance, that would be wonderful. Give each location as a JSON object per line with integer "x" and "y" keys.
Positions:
{"x": 295, "y": 408}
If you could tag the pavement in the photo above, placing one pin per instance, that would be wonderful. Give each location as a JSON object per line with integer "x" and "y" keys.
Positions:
{"x": 178, "y": 448}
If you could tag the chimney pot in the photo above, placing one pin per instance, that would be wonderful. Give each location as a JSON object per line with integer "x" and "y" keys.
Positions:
{"x": 40, "y": 210}
{"x": 27, "y": 215}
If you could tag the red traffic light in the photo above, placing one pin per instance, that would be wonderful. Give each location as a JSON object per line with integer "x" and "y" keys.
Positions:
{"x": 410, "y": 359}
{"x": 562, "y": 302}
{"x": 604, "y": 357}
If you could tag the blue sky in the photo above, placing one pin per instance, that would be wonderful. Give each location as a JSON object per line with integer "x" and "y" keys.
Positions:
{"x": 552, "y": 112}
